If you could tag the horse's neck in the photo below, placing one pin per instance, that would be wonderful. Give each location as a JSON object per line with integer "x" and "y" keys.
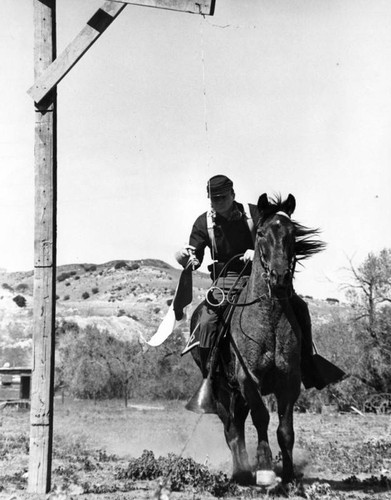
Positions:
{"x": 257, "y": 284}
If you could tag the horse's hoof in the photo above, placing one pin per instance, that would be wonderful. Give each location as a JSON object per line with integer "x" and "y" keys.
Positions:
{"x": 265, "y": 477}
{"x": 244, "y": 478}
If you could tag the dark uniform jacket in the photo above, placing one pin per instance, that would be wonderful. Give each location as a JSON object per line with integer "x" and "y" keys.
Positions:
{"x": 232, "y": 237}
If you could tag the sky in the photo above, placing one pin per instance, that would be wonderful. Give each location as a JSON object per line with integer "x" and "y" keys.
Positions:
{"x": 283, "y": 96}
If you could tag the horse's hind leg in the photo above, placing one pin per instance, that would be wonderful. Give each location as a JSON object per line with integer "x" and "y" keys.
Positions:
{"x": 233, "y": 417}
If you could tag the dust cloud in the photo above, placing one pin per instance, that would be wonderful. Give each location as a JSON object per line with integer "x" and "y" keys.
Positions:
{"x": 202, "y": 440}
{"x": 199, "y": 437}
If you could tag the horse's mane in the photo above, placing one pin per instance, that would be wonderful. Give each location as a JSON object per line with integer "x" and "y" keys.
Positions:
{"x": 307, "y": 242}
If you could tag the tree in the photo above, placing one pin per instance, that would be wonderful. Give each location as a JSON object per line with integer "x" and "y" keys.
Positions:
{"x": 375, "y": 361}
{"x": 371, "y": 288}
{"x": 370, "y": 296}
{"x": 124, "y": 361}
{"x": 82, "y": 366}
{"x": 92, "y": 363}
{"x": 166, "y": 373}
{"x": 16, "y": 355}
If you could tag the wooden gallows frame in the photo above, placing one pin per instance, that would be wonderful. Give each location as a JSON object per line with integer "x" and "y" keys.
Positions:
{"x": 49, "y": 70}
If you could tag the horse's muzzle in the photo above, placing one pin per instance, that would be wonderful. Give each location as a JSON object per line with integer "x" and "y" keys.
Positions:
{"x": 280, "y": 280}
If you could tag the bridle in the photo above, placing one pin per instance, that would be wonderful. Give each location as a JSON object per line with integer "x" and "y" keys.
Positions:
{"x": 266, "y": 275}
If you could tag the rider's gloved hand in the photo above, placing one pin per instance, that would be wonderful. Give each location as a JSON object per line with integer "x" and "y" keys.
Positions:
{"x": 248, "y": 256}
{"x": 186, "y": 254}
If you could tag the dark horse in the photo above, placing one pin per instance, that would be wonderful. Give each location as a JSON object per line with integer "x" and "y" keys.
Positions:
{"x": 264, "y": 345}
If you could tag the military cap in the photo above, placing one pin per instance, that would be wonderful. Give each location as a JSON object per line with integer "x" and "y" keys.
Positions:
{"x": 219, "y": 185}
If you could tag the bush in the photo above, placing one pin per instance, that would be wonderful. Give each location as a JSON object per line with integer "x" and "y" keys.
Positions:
{"x": 120, "y": 264}
{"x": 95, "y": 290}
{"x": 6, "y": 286}
{"x": 22, "y": 287}
{"x": 90, "y": 268}
{"x": 92, "y": 363}
{"x": 129, "y": 267}
{"x": 20, "y": 301}
{"x": 65, "y": 275}
{"x": 66, "y": 297}
{"x": 85, "y": 295}
{"x": 183, "y": 472}
{"x": 67, "y": 327}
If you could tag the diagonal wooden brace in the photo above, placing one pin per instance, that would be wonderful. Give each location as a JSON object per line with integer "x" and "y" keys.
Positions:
{"x": 54, "y": 73}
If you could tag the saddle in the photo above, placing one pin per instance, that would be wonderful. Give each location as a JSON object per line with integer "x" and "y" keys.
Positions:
{"x": 222, "y": 295}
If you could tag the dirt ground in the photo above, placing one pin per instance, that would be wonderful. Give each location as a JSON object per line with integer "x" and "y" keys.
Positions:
{"x": 341, "y": 456}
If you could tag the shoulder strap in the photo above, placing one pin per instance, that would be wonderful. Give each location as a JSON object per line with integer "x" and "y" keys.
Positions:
{"x": 210, "y": 227}
{"x": 250, "y": 222}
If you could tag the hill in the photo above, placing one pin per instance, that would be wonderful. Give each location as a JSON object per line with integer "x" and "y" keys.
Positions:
{"x": 126, "y": 298}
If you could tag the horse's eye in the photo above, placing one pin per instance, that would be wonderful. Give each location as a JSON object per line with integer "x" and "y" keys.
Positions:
{"x": 260, "y": 234}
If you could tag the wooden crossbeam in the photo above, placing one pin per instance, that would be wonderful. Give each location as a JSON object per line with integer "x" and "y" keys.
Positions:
{"x": 204, "y": 7}
{"x": 98, "y": 23}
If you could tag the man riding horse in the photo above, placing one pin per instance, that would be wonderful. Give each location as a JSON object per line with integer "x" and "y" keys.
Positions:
{"x": 228, "y": 230}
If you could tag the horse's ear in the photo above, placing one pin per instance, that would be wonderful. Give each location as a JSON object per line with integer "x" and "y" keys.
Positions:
{"x": 263, "y": 202}
{"x": 290, "y": 204}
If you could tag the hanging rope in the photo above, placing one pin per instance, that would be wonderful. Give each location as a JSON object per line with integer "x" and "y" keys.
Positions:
{"x": 208, "y": 149}
{"x": 202, "y": 21}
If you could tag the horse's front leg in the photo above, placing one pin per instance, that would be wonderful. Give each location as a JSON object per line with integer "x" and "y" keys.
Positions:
{"x": 260, "y": 417}
{"x": 233, "y": 415}
{"x": 285, "y": 433}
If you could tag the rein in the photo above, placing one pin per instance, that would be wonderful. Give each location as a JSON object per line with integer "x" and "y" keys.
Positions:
{"x": 226, "y": 296}
{"x": 244, "y": 304}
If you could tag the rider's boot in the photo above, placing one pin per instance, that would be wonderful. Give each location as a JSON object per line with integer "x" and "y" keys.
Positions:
{"x": 316, "y": 371}
{"x": 203, "y": 400}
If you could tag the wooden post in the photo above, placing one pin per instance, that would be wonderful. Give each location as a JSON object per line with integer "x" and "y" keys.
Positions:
{"x": 41, "y": 418}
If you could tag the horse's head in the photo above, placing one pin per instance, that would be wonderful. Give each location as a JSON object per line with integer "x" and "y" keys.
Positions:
{"x": 282, "y": 242}
{"x": 275, "y": 242}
